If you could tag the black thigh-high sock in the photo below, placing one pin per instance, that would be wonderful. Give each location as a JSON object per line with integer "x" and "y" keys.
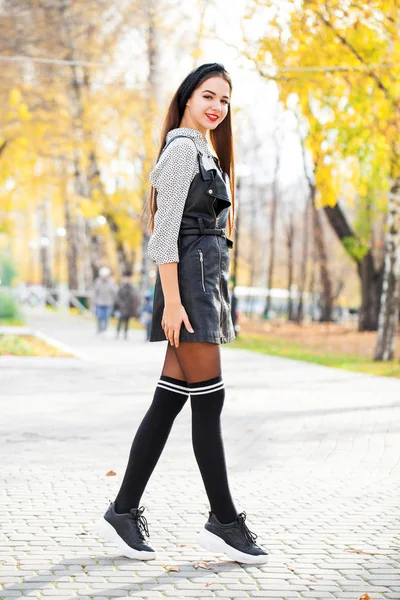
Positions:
{"x": 169, "y": 398}
{"x": 207, "y": 399}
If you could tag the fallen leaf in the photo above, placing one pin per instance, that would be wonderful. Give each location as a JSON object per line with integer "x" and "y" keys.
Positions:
{"x": 208, "y": 584}
{"x": 202, "y": 565}
{"x": 365, "y": 597}
{"x": 110, "y": 474}
{"x": 358, "y": 551}
{"x": 83, "y": 533}
{"x": 173, "y": 568}
{"x": 181, "y": 545}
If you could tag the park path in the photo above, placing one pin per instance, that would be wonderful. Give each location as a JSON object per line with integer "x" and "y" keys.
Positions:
{"x": 313, "y": 456}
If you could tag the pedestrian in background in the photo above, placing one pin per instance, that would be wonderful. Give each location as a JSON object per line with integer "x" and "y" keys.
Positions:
{"x": 127, "y": 303}
{"x": 104, "y": 294}
{"x": 146, "y": 315}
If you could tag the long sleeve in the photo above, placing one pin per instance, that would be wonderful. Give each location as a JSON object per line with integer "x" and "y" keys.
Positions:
{"x": 171, "y": 177}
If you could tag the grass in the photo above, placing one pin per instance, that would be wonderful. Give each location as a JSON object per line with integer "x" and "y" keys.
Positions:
{"x": 27, "y": 345}
{"x": 14, "y": 321}
{"x": 286, "y": 348}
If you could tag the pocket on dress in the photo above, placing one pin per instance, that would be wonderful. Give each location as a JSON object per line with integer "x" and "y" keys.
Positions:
{"x": 202, "y": 270}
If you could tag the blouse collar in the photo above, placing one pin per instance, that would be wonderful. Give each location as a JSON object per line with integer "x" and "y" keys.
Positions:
{"x": 195, "y": 134}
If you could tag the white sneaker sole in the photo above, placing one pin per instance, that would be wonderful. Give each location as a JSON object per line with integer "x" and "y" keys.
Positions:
{"x": 212, "y": 542}
{"x": 107, "y": 531}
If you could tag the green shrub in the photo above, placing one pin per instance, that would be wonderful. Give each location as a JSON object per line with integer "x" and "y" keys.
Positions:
{"x": 7, "y": 270}
{"x": 8, "y": 306}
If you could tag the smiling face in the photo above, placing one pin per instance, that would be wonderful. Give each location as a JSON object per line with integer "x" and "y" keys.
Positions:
{"x": 208, "y": 105}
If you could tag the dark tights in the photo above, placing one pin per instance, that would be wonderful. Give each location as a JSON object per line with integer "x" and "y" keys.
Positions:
{"x": 195, "y": 366}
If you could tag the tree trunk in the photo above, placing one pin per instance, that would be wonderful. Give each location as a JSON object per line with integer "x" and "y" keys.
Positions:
{"x": 319, "y": 244}
{"x": 371, "y": 289}
{"x": 81, "y": 184}
{"x": 314, "y": 266}
{"x": 389, "y": 309}
{"x": 326, "y": 282}
{"x": 290, "y": 251}
{"x": 154, "y": 98}
{"x": 45, "y": 244}
{"x": 124, "y": 262}
{"x": 304, "y": 259}
{"x": 272, "y": 236}
{"x": 254, "y": 211}
{"x": 370, "y": 277}
{"x": 96, "y": 254}
{"x": 72, "y": 247}
{"x": 85, "y": 235}
{"x": 144, "y": 271}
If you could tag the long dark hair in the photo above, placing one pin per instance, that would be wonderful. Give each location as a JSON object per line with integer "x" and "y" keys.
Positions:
{"x": 221, "y": 137}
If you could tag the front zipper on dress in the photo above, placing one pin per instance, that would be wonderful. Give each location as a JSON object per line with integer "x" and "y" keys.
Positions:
{"x": 201, "y": 259}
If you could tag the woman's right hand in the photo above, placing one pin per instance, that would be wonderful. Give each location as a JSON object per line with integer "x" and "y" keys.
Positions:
{"x": 173, "y": 316}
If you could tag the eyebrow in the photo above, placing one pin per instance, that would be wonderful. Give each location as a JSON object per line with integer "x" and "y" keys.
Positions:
{"x": 211, "y": 92}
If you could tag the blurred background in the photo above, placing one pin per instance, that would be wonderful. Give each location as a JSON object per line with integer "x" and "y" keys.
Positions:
{"x": 316, "y": 100}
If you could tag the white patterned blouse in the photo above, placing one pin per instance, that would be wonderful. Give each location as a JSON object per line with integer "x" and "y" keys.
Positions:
{"x": 172, "y": 176}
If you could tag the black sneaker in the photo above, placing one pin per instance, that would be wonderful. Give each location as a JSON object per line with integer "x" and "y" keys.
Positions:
{"x": 233, "y": 539}
{"x": 127, "y": 532}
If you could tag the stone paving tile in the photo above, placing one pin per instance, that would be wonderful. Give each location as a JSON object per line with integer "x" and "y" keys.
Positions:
{"x": 313, "y": 456}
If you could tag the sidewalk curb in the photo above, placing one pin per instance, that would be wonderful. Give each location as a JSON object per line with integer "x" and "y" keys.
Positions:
{"x": 60, "y": 345}
{"x": 43, "y": 362}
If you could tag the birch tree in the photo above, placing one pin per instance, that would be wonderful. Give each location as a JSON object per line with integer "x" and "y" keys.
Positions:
{"x": 390, "y": 301}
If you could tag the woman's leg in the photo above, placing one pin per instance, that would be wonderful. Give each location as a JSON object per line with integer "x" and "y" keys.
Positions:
{"x": 200, "y": 362}
{"x": 225, "y": 530}
{"x": 169, "y": 398}
{"x": 100, "y": 318}
{"x": 103, "y": 317}
{"x": 107, "y": 314}
{"x": 126, "y": 327}
{"x": 119, "y": 325}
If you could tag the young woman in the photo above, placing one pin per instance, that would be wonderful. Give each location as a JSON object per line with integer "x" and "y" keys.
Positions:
{"x": 191, "y": 213}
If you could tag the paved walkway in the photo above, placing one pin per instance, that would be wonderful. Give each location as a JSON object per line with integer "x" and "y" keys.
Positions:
{"x": 313, "y": 456}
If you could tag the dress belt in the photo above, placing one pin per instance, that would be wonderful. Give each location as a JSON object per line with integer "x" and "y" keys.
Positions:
{"x": 206, "y": 231}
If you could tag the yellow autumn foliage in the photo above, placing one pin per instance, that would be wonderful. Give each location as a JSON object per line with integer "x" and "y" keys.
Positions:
{"x": 51, "y": 129}
{"x": 341, "y": 61}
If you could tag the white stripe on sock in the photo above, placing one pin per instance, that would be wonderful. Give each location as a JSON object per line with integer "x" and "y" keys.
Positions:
{"x": 207, "y": 387}
{"x": 174, "y": 385}
{"x": 199, "y": 391}
{"x": 172, "y": 390}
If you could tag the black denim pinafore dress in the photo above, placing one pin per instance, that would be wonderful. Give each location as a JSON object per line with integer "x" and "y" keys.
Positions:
{"x": 204, "y": 262}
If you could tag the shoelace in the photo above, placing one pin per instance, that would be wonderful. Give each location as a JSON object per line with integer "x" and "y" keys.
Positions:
{"x": 249, "y": 535}
{"x": 141, "y": 522}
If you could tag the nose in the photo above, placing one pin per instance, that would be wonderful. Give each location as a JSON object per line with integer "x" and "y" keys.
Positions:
{"x": 217, "y": 109}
